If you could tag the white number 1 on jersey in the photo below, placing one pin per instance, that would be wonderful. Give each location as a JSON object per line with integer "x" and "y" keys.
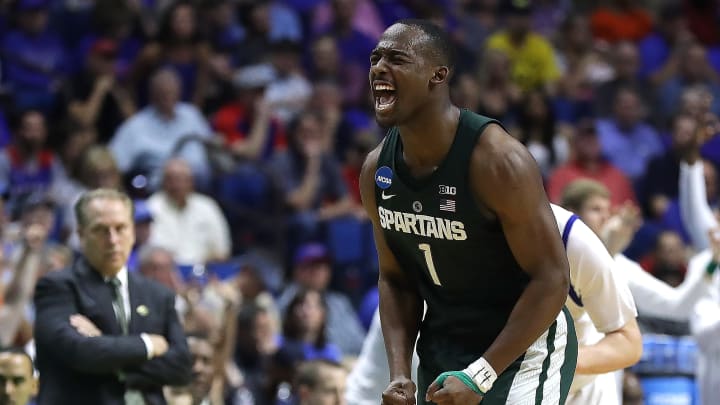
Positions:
{"x": 429, "y": 261}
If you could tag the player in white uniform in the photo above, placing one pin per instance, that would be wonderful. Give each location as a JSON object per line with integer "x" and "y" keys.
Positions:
{"x": 604, "y": 313}
{"x": 696, "y": 298}
{"x": 602, "y": 308}
{"x": 591, "y": 201}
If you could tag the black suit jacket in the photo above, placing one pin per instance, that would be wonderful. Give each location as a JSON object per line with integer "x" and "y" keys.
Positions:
{"x": 82, "y": 370}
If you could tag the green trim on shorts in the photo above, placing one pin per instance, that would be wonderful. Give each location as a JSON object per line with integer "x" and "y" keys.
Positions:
{"x": 567, "y": 370}
{"x": 499, "y": 393}
{"x": 550, "y": 343}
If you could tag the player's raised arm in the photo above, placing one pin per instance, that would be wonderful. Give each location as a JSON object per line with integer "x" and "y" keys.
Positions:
{"x": 400, "y": 303}
{"x": 504, "y": 176}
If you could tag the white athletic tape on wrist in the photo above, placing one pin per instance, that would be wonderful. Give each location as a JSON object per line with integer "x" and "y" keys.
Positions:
{"x": 482, "y": 373}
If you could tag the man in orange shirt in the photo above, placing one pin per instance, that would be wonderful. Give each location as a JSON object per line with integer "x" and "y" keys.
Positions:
{"x": 588, "y": 162}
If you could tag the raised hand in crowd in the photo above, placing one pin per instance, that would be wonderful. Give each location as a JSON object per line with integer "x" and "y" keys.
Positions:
{"x": 714, "y": 238}
{"x": 708, "y": 126}
{"x": 619, "y": 230}
{"x": 19, "y": 290}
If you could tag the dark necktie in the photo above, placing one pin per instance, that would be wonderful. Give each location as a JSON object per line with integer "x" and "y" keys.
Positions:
{"x": 119, "y": 304}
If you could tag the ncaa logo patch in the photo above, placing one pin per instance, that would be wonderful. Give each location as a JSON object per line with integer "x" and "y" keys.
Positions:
{"x": 383, "y": 177}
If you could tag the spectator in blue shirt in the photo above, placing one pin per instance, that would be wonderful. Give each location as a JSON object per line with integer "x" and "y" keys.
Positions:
{"x": 4, "y": 130}
{"x": 354, "y": 46}
{"x": 660, "y": 50}
{"x": 26, "y": 165}
{"x": 693, "y": 69}
{"x": 628, "y": 141}
{"x": 179, "y": 45}
{"x": 114, "y": 22}
{"x": 33, "y": 57}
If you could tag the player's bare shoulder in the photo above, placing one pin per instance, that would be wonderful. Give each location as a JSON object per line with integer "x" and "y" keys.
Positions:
{"x": 499, "y": 158}
{"x": 502, "y": 169}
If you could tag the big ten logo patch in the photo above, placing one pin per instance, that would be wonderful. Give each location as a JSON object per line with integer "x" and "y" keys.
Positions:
{"x": 447, "y": 190}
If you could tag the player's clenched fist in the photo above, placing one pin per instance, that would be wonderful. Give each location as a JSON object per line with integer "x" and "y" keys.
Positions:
{"x": 452, "y": 391}
{"x": 401, "y": 391}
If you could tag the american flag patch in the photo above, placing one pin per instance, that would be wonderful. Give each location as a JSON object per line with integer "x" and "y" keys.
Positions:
{"x": 447, "y": 205}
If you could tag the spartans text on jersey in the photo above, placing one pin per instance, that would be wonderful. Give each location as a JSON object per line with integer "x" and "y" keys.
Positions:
{"x": 422, "y": 225}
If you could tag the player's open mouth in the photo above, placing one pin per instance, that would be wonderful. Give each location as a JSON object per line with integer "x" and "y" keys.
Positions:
{"x": 385, "y": 95}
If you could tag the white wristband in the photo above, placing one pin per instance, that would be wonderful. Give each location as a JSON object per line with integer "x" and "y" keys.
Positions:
{"x": 482, "y": 374}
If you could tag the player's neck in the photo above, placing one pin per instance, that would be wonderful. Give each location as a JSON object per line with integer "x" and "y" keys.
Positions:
{"x": 427, "y": 139}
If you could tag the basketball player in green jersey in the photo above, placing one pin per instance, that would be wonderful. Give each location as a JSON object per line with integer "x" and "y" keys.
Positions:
{"x": 461, "y": 221}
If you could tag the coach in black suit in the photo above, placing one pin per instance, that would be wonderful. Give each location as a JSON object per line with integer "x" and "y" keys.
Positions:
{"x": 105, "y": 336}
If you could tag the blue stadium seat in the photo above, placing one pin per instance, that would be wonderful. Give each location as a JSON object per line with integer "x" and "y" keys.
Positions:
{"x": 247, "y": 186}
{"x": 368, "y": 305}
{"x": 193, "y": 274}
{"x": 659, "y": 355}
{"x": 345, "y": 240}
{"x": 669, "y": 390}
{"x": 687, "y": 354}
{"x": 224, "y": 270}
{"x": 253, "y": 206}
{"x": 370, "y": 249}
{"x": 713, "y": 56}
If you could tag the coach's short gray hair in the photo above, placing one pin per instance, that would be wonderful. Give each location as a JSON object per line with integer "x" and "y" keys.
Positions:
{"x": 99, "y": 193}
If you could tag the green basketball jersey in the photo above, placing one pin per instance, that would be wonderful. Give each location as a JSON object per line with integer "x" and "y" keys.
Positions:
{"x": 461, "y": 260}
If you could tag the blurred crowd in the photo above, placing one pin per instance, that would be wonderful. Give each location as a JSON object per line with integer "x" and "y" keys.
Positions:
{"x": 239, "y": 128}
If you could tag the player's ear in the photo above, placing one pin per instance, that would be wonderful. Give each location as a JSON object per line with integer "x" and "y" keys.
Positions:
{"x": 441, "y": 75}
{"x": 34, "y": 386}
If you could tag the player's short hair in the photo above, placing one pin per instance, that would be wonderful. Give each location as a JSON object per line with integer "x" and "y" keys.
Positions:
{"x": 437, "y": 41}
{"x": 579, "y": 191}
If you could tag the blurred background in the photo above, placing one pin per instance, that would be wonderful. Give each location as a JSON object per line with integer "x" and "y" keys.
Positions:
{"x": 239, "y": 128}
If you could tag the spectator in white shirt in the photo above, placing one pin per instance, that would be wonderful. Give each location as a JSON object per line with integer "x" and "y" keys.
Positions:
{"x": 187, "y": 223}
{"x": 149, "y": 138}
